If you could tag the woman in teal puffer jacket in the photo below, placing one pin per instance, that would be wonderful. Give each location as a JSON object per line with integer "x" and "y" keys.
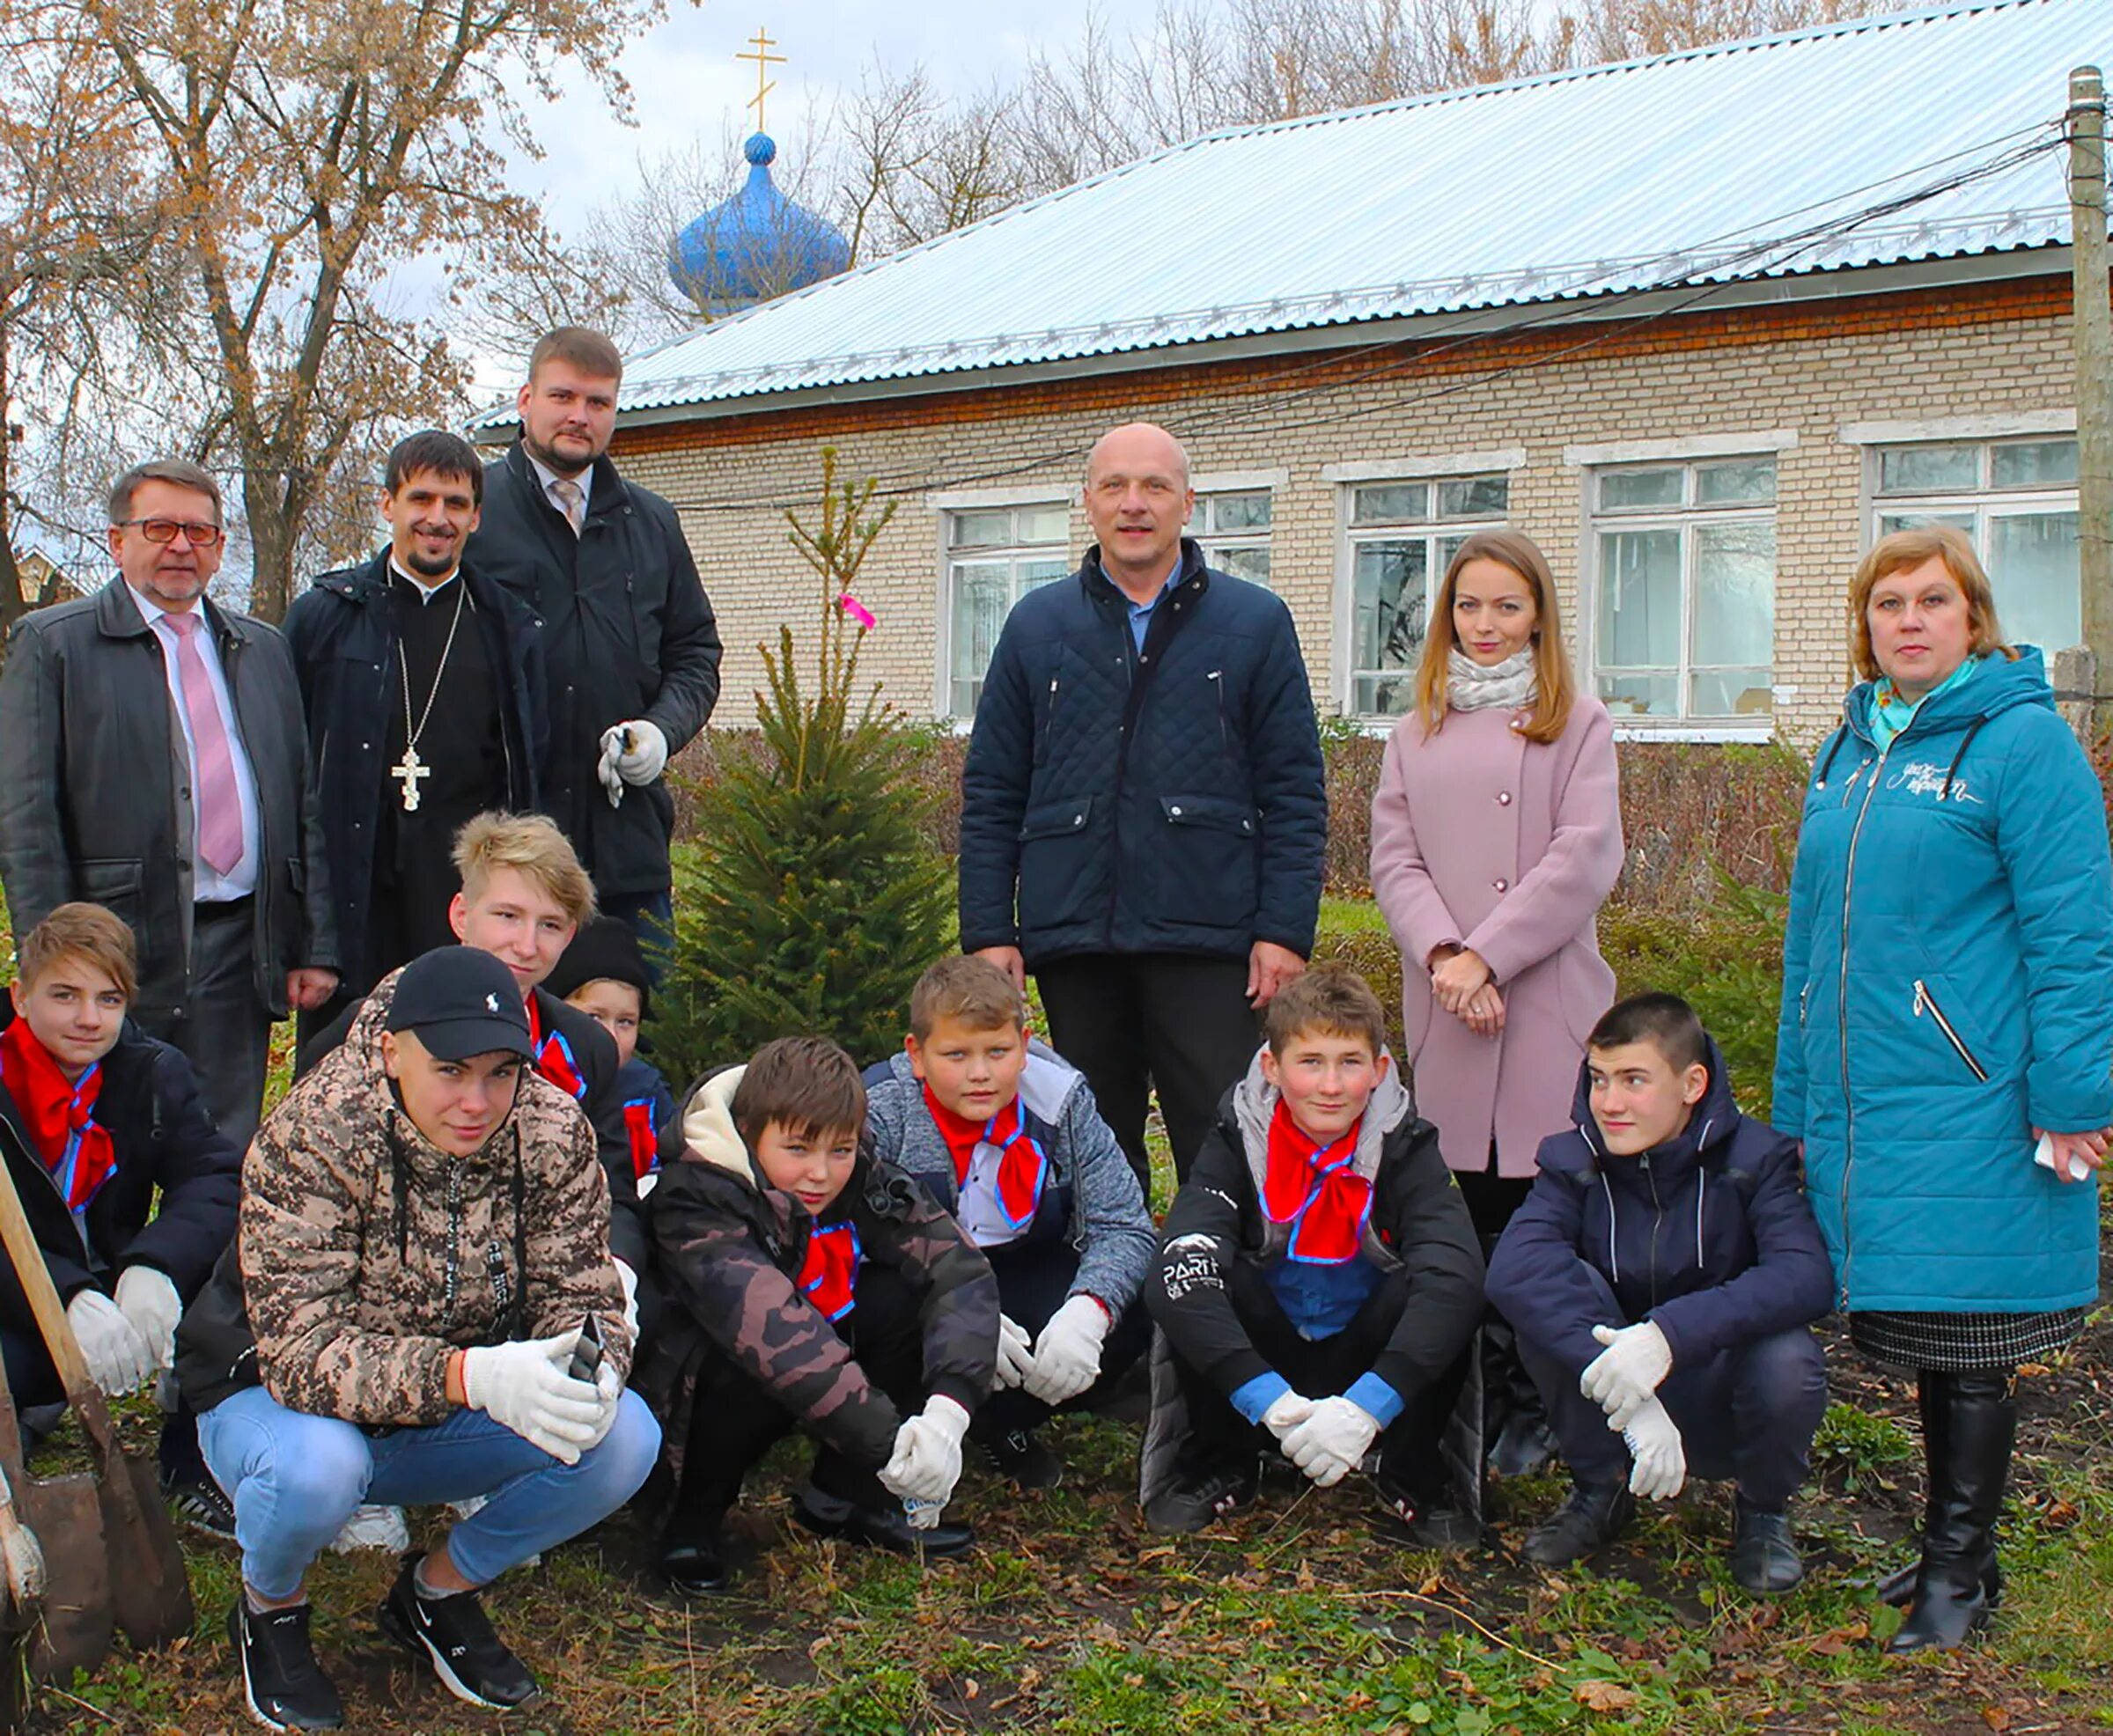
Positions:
{"x": 1947, "y": 999}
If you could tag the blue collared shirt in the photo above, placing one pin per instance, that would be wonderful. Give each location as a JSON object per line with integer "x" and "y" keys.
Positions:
{"x": 1140, "y": 614}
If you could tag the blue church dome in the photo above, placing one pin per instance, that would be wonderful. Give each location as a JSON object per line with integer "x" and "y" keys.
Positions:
{"x": 759, "y": 243}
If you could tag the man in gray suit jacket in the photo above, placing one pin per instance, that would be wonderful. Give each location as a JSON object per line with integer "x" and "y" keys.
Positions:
{"x": 153, "y": 760}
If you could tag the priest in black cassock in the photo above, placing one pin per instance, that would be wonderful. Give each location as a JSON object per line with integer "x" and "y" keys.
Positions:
{"x": 423, "y": 688}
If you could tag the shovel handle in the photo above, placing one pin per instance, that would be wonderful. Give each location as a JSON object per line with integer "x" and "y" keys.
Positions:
{"x": 82, "y": 1393}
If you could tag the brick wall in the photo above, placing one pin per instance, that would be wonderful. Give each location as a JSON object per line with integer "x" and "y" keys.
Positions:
{"x": 1807, "y": 367}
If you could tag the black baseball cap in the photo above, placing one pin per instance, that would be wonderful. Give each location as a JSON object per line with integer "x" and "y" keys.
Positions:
{"x": 460, "y": 1002}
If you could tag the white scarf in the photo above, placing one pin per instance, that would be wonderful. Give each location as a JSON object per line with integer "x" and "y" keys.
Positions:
{"x": 1475, "y": 687}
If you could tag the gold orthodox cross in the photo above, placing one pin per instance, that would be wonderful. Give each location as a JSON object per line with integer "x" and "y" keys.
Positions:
{"x": 409, "y": 770}
{"x": 764, "y": 61}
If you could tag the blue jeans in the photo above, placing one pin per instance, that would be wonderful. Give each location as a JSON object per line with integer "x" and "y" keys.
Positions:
{"x": 295, "y": 1480}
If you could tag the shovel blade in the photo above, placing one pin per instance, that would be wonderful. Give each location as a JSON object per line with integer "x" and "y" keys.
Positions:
{"x": 149, "y": 1588}
{"x": 67, "y": 1517}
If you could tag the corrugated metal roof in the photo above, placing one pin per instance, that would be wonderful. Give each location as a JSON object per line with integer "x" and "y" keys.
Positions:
{"x": 1738, "y": 161}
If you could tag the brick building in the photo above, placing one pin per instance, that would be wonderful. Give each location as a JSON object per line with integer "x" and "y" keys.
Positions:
{"x": 1702, "y": 325}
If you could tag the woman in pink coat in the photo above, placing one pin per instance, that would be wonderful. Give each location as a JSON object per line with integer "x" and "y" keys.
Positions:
{"x": 1496, "y": 836}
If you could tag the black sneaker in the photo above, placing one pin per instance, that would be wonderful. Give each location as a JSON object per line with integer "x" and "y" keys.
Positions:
{"x": 200, "y": 1503}
{"x": 691, "y": 1559}
{"x": 281, "y": 1683}
{"x": 1593, "y": 1517}
{"x": 1203, "y": 1493}
{"x": 883, "y": 1529}
{"x": 473, "y": 1662}
{"x": 1425, "y": 1524}
{"x": 1021, "y": 1458}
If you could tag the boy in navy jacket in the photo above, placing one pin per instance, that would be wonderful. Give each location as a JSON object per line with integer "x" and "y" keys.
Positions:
{"x": 1662, "y": 1277}
{"x": 603, "y": 973}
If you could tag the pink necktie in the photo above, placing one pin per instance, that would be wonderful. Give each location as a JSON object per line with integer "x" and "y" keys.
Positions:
{"x": 213, "y": 777}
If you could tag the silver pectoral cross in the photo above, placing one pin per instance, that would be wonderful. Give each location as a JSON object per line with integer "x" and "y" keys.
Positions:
{"x": 408, "y": 770}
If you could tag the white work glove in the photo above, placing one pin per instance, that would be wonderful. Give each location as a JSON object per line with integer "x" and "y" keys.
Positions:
{"x": 525, "y": 1386}
{"x": 148, "y": 1298}
{"x": 372, "y": 1527}
{"x": 1285, "y": 1412}
{"x": 1333, "y": 1441}
{"x": 1624, "y": 1375}
{"x": 608, "y": 1391}
{"x": 1067, "y": 1356}
{"x": 628, "y": 1279}
{"x": 637, "y": 751}
{"x": 1015, "y": 1357}
{"x": 927, "y": 1459}
{"x": 118, "y": 1355}
{"x": 1661, "y": 1467}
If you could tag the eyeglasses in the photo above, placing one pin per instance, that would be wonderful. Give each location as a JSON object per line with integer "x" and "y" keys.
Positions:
{"x": 166, "y": 530}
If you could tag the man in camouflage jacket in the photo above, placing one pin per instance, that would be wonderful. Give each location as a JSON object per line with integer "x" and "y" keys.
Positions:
{"x": 751, "y": 1347}
{"x": 422, "y": 1247}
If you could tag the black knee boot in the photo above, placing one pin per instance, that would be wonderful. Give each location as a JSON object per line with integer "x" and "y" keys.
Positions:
{"x": 1897, "y": 1588}
{"x": 1969, "y": 1464}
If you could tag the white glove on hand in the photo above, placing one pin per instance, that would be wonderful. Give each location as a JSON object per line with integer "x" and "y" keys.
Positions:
{"x": 1625, "y": 1374}
{"x": 1067, "y": 1356}
{"x": 628, "y": 1279}
{"x": 1660, "y": 1469}
{"x": 119, "y": 1358}
{"x": 927, "y": 1459}
{"x": 604, "y": 768}
{"x": 645, "y": 757}
{"x": 1285, "y": 1412}
{"x": 525, "y": 1386}
{"x": 1015, "y": 1359}
{"x": 608, "y": 1391}
{"x": 148, "y": 1298}
{"x": 1333, "y": 1441}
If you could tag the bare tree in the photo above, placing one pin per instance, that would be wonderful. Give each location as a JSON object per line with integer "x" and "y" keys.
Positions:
{"x": 1627, "y": 29}
{"x": 82, "y": 308}
{"x": 317, "y": 153}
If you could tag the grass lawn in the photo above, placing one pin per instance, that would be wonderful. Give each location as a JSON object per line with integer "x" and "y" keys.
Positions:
{"x": 1070, "y": 1617}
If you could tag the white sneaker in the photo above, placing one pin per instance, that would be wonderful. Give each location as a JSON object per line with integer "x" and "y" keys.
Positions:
{"x": 373, "y": 1528}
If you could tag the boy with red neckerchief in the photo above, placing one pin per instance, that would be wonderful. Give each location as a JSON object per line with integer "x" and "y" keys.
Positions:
{"x": 810, "y": 1286}
{"x": 1318, "y": 1279}
{"x": 97, "y": 1121}
{"x": 1003, "y": 1133}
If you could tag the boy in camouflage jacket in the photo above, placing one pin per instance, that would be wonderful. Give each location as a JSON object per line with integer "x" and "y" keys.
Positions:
{"x": 422, "y": 1249}
{"x": 812, "y": 1287}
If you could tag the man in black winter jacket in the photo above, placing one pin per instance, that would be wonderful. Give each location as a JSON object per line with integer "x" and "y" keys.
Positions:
{"x": 1144, "y": 809}
{"x": 630, "y": 649}
{"x": 423, "y": 681}
{"x": 128, "y": 1187}
{"x": 1662, "y": 1278}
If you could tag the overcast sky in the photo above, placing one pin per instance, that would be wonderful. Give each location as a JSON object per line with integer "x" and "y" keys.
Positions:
{"x": 686, "y": 80}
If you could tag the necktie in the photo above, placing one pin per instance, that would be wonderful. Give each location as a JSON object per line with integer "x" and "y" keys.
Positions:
{"x": 213, "y": 776}
{"x": 569, "y": 500}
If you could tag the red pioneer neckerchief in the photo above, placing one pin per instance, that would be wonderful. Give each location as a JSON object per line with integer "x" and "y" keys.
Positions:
{"x": 645, "y": 1138}
{"x": 59, "y": 1114}
{"x": 1310, "y": 1187}
{"x": 554, "y": 1059}
{"x": 1023, "y": 1167}
{"x": 828, "y": 1272}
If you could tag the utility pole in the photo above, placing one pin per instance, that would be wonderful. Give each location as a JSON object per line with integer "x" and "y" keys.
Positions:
{"x": 2092, "y": 325}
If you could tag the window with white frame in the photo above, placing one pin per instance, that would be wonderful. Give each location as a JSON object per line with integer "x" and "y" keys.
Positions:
{"x": 1234, "y": 530}
{"x": 1401, "y": 536}
{"x": 995, "y": 555}
{"x": 2017, "y": 500}
{"x": 1685, "y": 572}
